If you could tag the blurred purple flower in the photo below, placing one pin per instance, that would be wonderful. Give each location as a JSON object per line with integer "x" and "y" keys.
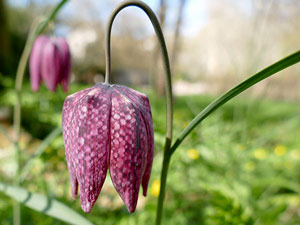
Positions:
{"x": 108, "y": 126}
{"x": 50, "y": 60}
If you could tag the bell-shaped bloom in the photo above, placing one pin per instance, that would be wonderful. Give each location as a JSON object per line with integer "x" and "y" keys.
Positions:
{"x": 50, "y": 61}
{"x": 108, "y": 127}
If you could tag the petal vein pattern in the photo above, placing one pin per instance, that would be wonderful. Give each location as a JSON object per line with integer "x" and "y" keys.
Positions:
{"x": 108, "y": 126}
{"x": 128, "y": 149}
{"x": 89, "y": 138}
{"x": 145, "y": 111}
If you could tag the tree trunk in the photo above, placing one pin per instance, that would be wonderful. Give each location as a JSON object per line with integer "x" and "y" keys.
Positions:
{"x": 157, "y": 71}
{"x": 176, "y": 42}
{"x": 5, "y": 59}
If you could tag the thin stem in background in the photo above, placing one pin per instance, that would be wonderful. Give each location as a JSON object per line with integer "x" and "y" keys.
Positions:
{"x": 20, "y": 75}
{"x": 168, "y": 87}
{"x": 17, "y": 111}
{"x": 36, "y": 28}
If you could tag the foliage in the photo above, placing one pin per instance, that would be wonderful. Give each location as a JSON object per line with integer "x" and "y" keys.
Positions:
{"x": 233, "y": 199}
{"x": 245, "y": 171}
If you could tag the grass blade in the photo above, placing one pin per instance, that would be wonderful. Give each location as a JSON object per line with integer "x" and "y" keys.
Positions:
{"x": 263, "y": 74}
{"x": 43, "y": 204}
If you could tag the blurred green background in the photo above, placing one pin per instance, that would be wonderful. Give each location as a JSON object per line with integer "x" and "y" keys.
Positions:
{"x": 240, "y": 166}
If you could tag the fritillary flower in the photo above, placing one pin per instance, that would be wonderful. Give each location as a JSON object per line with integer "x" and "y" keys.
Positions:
{"x": 108, "y": 127}
{"x": 50, "y": 60}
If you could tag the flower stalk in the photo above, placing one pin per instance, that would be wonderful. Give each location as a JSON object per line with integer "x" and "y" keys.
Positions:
{"x": 37, "y": 27}
{"x": 170, "y": 149}
{"x": 168, "y": 87}
{"x": 17, "y": 111}
{"x": 163, "y": 184}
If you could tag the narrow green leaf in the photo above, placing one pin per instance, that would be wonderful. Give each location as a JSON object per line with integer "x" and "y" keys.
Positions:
{"x": 263, "y": 74}
{"x": 43, "y": 204}
{"x": 39, "y": 151}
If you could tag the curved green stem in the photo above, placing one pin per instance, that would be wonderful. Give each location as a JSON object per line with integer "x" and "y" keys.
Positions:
{"x": 168, "y": 85}
{"x": 36, "y": 28}
{"x": 17, "y": 110}
{"x": 265, "y": 73}
{"x": 20, "y": 75}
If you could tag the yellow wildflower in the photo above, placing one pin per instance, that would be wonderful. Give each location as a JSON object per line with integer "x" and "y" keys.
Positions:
{"x": 249, "y": 166}
{"x": 260, "y": 153}
{"x": 155, "y": 188}
{"x": 193, "y": 154}
{"x": 240, "y": 147}
{"x": 294, "y": 201}
{"x": 288, "y": 164}
{"x": 280, "y": 150}
{"x": 296, "y": 154}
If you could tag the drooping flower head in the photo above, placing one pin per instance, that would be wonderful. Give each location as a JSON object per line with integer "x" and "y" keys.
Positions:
{"x": 108, "y": 127}
{"x": 50, "y": 61}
